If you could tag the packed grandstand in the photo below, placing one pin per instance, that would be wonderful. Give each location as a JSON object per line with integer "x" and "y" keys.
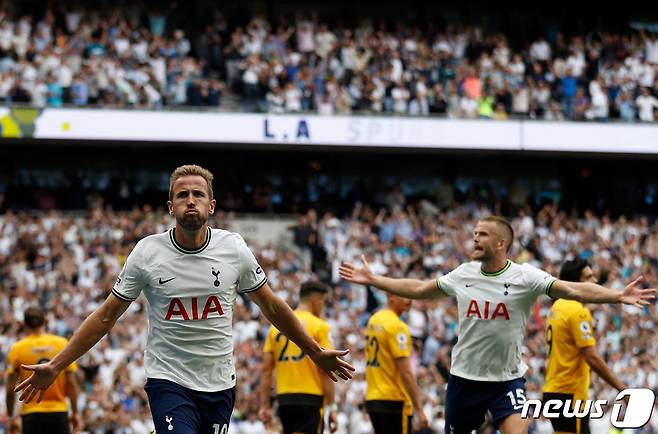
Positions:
{"x": 135, "y": 56}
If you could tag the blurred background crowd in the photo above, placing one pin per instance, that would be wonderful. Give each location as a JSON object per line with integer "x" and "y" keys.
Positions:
{"x": 68, "y": 262}
{"x": 142, "y": 56}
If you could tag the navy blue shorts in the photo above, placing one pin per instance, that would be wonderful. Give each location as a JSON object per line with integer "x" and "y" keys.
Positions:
{"x": 468, "y": 401}
{"x": 179, "y": 410}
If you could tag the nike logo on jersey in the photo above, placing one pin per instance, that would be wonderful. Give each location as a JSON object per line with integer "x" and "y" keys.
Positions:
{"x": 468, "y": 285}
{"x": 162, "y": 282}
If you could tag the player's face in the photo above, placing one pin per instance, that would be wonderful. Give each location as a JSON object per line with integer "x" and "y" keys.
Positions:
{"x": 587, "y": 275}
{"x": 486, "y": 241}
{"x": 191, "y": 204}
{"x": 319, "y": 303}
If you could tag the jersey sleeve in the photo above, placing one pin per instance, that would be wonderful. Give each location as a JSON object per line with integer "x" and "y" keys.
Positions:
{"x": 12, "y": 360}
{"x": 73, "y": 367}
{"x": 448, "y": 282}
{"x": 251, "y": 276}
{"x": 538, "y": 281}
{"x": 324, "y": 338}
{"x": 399, "y": 341}
{"x": 269, "y": 340}
{"x": 132, "y": 279}
{"x": 580, "y": 327}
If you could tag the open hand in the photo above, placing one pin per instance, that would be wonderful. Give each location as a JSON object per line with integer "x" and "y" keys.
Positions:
{"x": 330, "y": 362}
{"x": 36, "y": 384}
{"x": 351, "y": 273}
{"x": 637, "y": 296}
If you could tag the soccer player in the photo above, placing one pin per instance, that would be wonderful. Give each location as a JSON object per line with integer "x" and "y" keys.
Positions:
{"x": 494, "y": 298}
{"x": 190, "y": 276}
{"x": 571, "y": 349}
{"x": 50, "y": 416}
{"x": 301, "y": 388}
{"x": 392, "y": 394}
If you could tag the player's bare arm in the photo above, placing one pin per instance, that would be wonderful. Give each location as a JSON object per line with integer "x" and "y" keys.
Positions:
{"x": 283, "y": 318}
{"x": 598, "y": 365}
{"x": 72, "y": 395}
{"x": 588, "y": 292}
{"x": 409, "y": 381}
{"x": 10, "y": 400}
{"x": 329, "y": 392}
{"x": 267, "y": 367}
{"x": 90, "y": 332}
{"x": 407, "y": 288}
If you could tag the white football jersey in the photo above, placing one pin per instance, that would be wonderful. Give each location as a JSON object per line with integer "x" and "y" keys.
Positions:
{"x": 493, "y": 312}
{"x": 190, "y": 298}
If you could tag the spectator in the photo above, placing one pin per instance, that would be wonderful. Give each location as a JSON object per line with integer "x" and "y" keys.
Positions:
{"x": 486, "y": 107}
{"x": 521, "y": 100}
{"x": 646, "y": 104}
{"x": 500, "y": 114}
{"x": 650, "y": 46}
{"x": 540, "y": 50}
{"x": 554, "y": 114}
{"x": 438, "y": 103}
{"x": 325, "y": 41}
{"x": 599, "y": 109}
{"x": 468, "y": 107}
{"x": 293, "y": 98}
{"x": 419, "y": 106}
{"x": 569, "y": 90}
{"x": 626, "y": 106}
{"x": 55, "y": 92}
{"x": 581, "y": 104}
{"x": 400, "y": 95}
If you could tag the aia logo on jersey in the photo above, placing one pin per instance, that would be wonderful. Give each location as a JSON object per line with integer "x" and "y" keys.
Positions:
{"x": 485, "y": 311}
{"x": 178, "y": 311}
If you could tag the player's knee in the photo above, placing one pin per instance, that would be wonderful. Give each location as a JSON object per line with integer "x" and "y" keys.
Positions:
{"x": 514, "y": 424}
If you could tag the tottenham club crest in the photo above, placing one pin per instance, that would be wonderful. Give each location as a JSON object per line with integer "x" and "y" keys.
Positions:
{"x": 506, "y": 285}
{"x": 216, "y": 274}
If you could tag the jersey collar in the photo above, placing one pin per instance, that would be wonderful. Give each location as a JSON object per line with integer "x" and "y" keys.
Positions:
{"x": 181, "y": 249}
{"x": 499, "y": 272}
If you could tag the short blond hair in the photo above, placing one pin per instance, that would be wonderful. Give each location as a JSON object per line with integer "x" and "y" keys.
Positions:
{"x": 190, "y": 170}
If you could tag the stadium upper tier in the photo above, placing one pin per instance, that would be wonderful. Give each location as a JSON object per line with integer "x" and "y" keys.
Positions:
{"x": 140, "y": 58}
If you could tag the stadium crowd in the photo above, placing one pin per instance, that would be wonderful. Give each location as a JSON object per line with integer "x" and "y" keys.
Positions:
{"x": 68, "y": 263}
{"x": 142, "y": 58}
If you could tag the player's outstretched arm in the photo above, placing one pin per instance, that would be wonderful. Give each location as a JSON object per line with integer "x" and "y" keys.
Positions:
{"x": 407, "y": 288}
{"x": 283, "y": 318}
{"x": 90, "y": 332}
{"x": 587, "y": 292}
